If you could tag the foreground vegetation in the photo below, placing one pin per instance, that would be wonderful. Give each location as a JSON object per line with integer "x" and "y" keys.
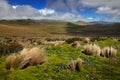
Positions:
{"x": 59, "y": 58}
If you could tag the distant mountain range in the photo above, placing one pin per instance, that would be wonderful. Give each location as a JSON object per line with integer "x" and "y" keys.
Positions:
{"x": 49, "y": 20}
{"x": 98, "y": 22}
{"x": 101, "y": 22}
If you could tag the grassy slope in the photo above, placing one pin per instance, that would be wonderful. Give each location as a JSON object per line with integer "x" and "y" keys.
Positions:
{"x": 42, "y": 28}
{"x": 22, "y": 28}
{"x": 95, "y": 68}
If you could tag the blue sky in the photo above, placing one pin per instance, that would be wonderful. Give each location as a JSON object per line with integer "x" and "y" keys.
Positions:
{"x": 69, "y": 10}
{"x": 40, "y": 4}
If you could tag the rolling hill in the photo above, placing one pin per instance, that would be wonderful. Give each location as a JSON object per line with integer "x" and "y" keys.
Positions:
{"x": 48, "y": 28}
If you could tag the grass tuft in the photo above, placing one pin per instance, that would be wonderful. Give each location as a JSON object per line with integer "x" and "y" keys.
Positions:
{"x": 108, "y": 52}
{"x": 76, "y": 45}
{"x": 86, "y": 40}
{"x": 26, "y": 58}
{"x": 90, "y": 49}
{"x": 76, "y": 64}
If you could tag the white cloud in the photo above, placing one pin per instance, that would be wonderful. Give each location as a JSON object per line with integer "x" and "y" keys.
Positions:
{"x": 25, "y": 11}
{"x": 97, "y": 3}
{"x": 69, "y": 10}
{"x": 109, "y": 7}
{"x": 46, "y": 11}
{"x": 90, "y": 18}
{"x": 14, "y": 7}
{"x": 108, "y": 10}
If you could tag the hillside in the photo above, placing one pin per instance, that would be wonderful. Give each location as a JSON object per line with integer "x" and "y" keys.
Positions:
{"x": 47, "y": 28}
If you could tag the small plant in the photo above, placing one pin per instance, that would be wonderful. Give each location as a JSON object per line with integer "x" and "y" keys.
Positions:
{"x": 108, "y": 52}
{"x": 76, "y": 64}
{"x": 72, "y": 64}
{"x": 76, "y": 45}
{"x": 90, "y": 49}
{"x": 86, "y": 40}
{"x": 79, "y": 65}
{"x": 10, "y": 62}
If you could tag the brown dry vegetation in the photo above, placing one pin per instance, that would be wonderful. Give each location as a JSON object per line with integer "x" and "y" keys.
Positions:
{"x": 86, "y": 40}
{"x": 90, "y": 49}
{"x": 76, "y": 45}
{"x": 109, "y": 52}
{"x": 76, "y": 64}
{"x": 26, "y": 58}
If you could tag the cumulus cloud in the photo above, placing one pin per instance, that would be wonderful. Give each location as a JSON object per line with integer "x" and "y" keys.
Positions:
{"x": 62, "y": 10}
{"x": 8, "y": 11}
{"x": 14, "y": 7}
{"x": 108, "y": 10}
{"x": 46, "y": 11}
{"x": 97, "y": 3}
{"x": 109, "y": 7}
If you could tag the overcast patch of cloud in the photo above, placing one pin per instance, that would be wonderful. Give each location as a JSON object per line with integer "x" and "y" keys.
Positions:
{"x": 25, "y": 11}
{"x": 62, "y": 10}
{"x": 64, "y": 5}
{"x": 108, "y": 10}
{"x": 97, "y": 3}
{"x": 109, "y": 7}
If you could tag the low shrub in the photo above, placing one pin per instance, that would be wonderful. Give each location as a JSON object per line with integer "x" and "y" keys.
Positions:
{"x": 26, "y": 58}
{"x": 108, "y": 52}
{"x": 76, "y": 45}
{"x": 90, "y": 49}
{"x": 76, "y": 64}
{"x": 86, "y": 40}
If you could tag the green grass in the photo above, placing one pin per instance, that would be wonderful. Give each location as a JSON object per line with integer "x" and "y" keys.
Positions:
{"x": 95, "y": 68}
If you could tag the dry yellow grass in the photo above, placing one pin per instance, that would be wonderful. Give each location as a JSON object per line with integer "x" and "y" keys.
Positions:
{"x": 109, "y": 52}
{"x": 76, "y": 64}
{"x": 26, "y": 58}
{"x": 53, "y": 43}
{"x": 38, "y": 56}
{"x": 72, "y": 64}
{"x": 79, "y": 65}
{"x": 90, "y": 49}
{"x": 76, "y": 45}
{"x": 86, "y": 40}
{"x": 10, "y": 62}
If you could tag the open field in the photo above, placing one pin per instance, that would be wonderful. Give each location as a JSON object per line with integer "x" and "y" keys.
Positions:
{"x": 47, "y": 50}
{"x": 59, "y": 58}
{"x": 48, "y": 28}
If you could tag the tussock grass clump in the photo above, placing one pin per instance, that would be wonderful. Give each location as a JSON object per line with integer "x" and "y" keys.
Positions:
{"x": 76, "y": 45}
{"x": 10, "y": 62}
{"x": 53, "y": 43}
{"x": 90, "y": 49}
{"x": 86, "y": 40}
{"x": 108, "y": 52}
{"x": 26, "y": 58}
{"x": 76, "y": 64}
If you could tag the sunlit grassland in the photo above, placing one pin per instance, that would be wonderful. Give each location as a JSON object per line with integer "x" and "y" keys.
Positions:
{"x": 95, "y": 68}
